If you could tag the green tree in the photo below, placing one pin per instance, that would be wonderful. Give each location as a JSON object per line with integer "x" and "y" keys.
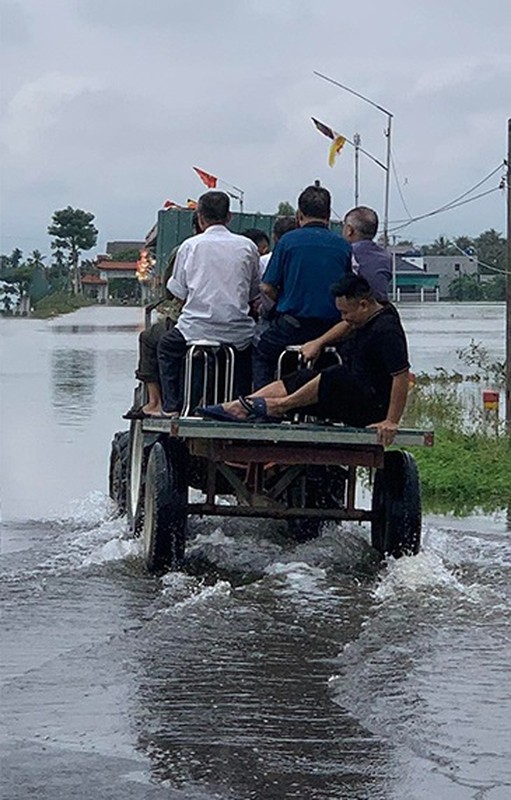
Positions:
{"x": 72, "y": 230}
{"x": 496, "y": 288}
{"x": 285, "y": 209}
{"x": 466, "y": 287}
{"x": 490, "y": 247}
{"x": 440, "y": 247}
{"x": 465, "y": 243}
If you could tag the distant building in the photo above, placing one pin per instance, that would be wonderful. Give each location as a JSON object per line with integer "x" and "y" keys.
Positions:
{"x": 448, "y": 268}
{"x": 114, "y": 248}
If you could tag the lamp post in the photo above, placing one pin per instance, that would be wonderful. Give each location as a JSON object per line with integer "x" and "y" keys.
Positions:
{"x": 388, "y": 134}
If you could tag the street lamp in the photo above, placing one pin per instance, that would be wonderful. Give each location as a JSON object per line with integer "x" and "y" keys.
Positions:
{"x": 388, "y": 133}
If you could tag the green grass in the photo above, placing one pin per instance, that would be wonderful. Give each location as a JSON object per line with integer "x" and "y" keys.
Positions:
{"x": 469, "y": 467}
{"x": 464, "y": 472}
{"x": 59, "y": 303}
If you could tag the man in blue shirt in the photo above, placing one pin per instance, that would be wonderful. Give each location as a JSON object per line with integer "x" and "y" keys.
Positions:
{"x": 303, "y": 267}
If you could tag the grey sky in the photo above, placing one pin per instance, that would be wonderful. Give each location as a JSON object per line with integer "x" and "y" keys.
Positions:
{"x": 107, "y": 104}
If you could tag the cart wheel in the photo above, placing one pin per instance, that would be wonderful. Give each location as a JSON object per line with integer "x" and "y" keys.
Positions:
{"x": 136, "y": 466}
{"x": 165, "y": 500}
{"x": 396, "y": 528}
{"x": 117, "y": 471}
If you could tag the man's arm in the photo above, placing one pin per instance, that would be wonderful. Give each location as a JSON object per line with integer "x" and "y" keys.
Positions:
{"x": 399, "y": 392}
{"x": 311, "y": 350}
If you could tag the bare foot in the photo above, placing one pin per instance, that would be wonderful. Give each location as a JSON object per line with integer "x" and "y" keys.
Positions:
{"x": 236, "y": 409}
{"x": 151, "y": 408}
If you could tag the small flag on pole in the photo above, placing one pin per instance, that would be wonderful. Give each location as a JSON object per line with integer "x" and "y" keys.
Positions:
{"x": 170, "y": 204}
{"x": 191, "y": 204}
{"x": 338, "y": 141}
{"x": 206, "y": 177}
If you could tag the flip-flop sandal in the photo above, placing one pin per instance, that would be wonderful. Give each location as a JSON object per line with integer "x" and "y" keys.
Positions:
{"x": 257, "y": 409}
{"x": 135, "y": 413}
{"x": 218, "y": 413}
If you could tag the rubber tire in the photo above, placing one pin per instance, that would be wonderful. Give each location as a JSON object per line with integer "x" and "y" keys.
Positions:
{"x": 165, "y": 517}
{"x": 396, "y": 503}
{"x": 117, "y": 470}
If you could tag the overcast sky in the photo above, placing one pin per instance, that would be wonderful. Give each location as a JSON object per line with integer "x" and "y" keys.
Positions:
{"x": 107, "y": 104}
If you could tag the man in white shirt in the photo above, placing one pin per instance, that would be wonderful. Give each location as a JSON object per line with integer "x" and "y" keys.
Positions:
{"x": 216, "y": 275}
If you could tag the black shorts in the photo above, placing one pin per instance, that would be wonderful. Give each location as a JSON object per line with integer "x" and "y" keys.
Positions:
{"x": 341, "y": 398}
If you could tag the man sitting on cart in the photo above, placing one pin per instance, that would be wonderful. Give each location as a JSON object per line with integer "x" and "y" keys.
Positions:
{"x": 216, "y": 276}
{"x": 370, "y": 390}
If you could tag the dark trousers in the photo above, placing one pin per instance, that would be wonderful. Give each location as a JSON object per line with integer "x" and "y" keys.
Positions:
{"x": 283, "y": 331}
{"x": 171, "y": 358}
{"x": 147, "y": 369}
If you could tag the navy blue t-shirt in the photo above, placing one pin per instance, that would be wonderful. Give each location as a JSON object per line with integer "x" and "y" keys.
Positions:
{"x": 303, "y": 267}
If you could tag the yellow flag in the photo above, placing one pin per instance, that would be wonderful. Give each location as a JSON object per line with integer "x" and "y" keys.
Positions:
{"x": 335, "y": 148}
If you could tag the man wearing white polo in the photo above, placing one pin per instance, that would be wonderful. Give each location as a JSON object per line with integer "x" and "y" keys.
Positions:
{"x": 216, "y": 276}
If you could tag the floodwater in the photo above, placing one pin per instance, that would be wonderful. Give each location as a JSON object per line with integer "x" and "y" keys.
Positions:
{"x": 265, "y": 670}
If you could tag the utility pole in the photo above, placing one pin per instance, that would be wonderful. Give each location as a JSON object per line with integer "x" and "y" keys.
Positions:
{"x": 508, "y": 285}
{"x": 356, "y": 142}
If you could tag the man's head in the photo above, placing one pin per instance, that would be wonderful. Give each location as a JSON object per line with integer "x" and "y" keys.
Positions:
{"x": 213, "y": 209}
{"x": 354, "y": 299}
{"x": 314, "y": 204}
{"x": 360, "y": 223}
{"x": 283, "y": 225}
{"x": 260, "y": 239}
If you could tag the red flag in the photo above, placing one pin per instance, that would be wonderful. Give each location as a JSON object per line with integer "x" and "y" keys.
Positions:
{"x": 170, "y": 204}
{"x": 206, "y": 178}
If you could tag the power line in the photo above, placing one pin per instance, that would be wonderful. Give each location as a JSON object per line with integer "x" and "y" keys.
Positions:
{"x": 453, "y": 203}
{"x": 445, "y": 208}
{"x": 398, "y": 184}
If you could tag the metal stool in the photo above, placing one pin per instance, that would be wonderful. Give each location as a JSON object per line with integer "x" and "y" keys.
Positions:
{"x": 208, "y": 353}
{"x": 294, "y": 349}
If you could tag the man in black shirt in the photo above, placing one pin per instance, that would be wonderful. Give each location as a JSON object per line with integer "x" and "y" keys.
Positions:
{"x": 370, "y": 390}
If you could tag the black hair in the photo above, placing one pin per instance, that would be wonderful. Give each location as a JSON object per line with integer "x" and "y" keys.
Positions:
{"x": 315, "y": 201}
{"x": 353, "y": 287}
{"x": 256, "y": 235}
{"x": 364, "y": 220}
{"x": 213, "y": 207}
{"x": 284, "y": 225}
{"x": 195, "y": 223}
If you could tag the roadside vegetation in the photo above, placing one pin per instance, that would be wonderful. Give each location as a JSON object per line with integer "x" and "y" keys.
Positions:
{"x": 469, "y": 467}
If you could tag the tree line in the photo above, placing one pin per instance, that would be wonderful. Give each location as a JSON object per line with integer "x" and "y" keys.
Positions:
{"x": 72, "y": 232}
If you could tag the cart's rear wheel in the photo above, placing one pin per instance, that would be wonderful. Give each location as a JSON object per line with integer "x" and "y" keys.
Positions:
{"x": 117, "y": 471}
{"x": 165, "y": 498}
{"x": 396, "y": 526}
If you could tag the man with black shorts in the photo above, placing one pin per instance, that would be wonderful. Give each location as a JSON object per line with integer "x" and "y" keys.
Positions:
{"x": 368, "y": 391}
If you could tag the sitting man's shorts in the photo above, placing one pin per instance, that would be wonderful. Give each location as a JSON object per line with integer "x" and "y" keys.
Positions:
{"x": 341, "y": 397}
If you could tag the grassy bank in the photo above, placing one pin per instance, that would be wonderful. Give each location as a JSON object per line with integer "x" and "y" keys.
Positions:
{"x": 53, "y": 305}
{"x": 465, "y": 471}
{"x": 470, "y": 465}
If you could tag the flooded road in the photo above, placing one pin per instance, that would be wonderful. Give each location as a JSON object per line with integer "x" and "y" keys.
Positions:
{"x": 265, "y": 670}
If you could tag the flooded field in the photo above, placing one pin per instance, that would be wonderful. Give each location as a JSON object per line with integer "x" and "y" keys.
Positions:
{"x": 264, "y": 670}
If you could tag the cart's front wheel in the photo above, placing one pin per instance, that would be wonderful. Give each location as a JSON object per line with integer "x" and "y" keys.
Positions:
{"x": 165, "y": 500}
{"x": 396, "y": 525}
{"x": 117, "y": 472}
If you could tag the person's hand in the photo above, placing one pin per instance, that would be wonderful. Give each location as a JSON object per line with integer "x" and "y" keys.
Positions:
{"x": 310, "y": 350}
{"x": 386, "y": 431}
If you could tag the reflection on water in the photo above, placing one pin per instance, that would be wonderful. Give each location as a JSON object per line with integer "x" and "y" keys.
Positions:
{"x": 73, "y": 384}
